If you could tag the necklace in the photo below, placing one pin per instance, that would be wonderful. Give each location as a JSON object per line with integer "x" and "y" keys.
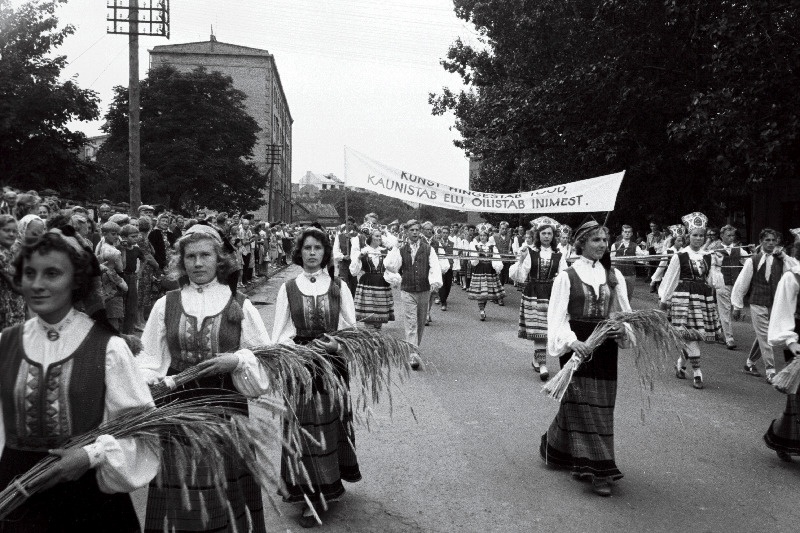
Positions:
{"x": 53, "y": 333}
{"x": 312, "y": 276}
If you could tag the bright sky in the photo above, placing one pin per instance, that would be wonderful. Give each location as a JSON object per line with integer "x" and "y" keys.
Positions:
{"x": 355, "y": 72}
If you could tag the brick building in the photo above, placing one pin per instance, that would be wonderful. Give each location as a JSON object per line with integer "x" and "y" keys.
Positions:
{"x": 254, "y": 73}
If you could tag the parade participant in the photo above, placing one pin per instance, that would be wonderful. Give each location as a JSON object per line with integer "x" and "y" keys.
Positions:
{"x": 536, "y": 268}
{"x": 672, "y": 244}
{"x": 502, "y": 241}
{"x": 29, "y": 229}
{"x": 12, "y": 304}
{"x": 91, "y": 379}
{"x": 485, "y": 283}
{"x": 433, "y": 242}
{"x": 518, "y": 240}
{"x": 374, "y": 303}
{"x": 688, "y": 298}
{"x": 342, "y": 249}
{"x": 205, "y": 324}
{"x": 626, "y": 247}
{"x": 581, "y": 437}
{"x": 418, "y": 265}
{"x": 726, "y": 264}
{"x": 783, "y": 434}
{"x": 113, "y": 286}
{"x": 103, "y": 213}
{"x": 759, "y": 280}
{"x": 463, "y": 245}
{"x": 468, "y": 240}
{"x": 564, "y": 247}
{"x": 655, "y": 246}
{"x": 307, "y": 308}
{"x": 446, "y": 246}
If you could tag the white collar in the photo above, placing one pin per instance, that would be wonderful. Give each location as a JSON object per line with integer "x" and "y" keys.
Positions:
{"x": 315, "y": 275}
{"x": 205, "y": 286}
{"x": 58, "y": 327}
{"x": 588, "y": 262}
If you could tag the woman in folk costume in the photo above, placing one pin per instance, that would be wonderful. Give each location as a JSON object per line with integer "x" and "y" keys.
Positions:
{"x": 672, "y": 244}
{"x": 308, "y": 307}
{"x": 62, "y": 375}
{"x": 373, "y": 300}
{"x": 581, "y": 437}
{"x": 688, "y": 298}
{"x": 564, "y": 247}
{"x": 204, "y": 324}
{"x": 783, "y": 434}
{"x": 485, "y": 284}
{"x": 537, "y": 269}
{"x": 463, "y": 244}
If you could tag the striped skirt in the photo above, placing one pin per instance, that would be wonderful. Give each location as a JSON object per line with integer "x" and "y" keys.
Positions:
{"x": 581, "y": 437}
{"x": 373, "y": 299}
{"x": 485, "y": 285}
{"x": 328, "y": 463}
{"x": 533, "y": 310}
{"x": 783, "y": 434}
{"x": 199, "y": 506}
{"x": 694, "y": 307}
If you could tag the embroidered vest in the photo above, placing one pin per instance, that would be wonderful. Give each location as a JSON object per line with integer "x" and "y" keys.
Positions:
{"x": 583, "y": 302}
{"x": 42, "y": 410}
{"x": 732, "y": 265}
{"x": 627, "y": 269}
{"x": 415, "y": 275}
{"x": 191, "y": 343}
{"x": 313, "y": 316}
{"x": 503, "y": 243}
{"x": 541, "y": 269}
{"x": 369, "y": 267}
{"x": 689, "y": 270}
{"x": 762, "y": 292}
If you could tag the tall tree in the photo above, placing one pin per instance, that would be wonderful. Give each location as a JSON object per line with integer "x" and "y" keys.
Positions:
{"x": 196, "y": 141}
{"x": 37, "y": 149}
{"x": 562, "y": 90}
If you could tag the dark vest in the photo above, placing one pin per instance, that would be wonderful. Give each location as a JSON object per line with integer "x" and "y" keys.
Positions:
{"x": 732, "y": 265}
{"x": 503, "y": 243}
{"x": 689, "y": 271}
{"x": 68, "y": 400}
{"x": 539, "y": 273}
{"x": 583, "y": 302}
{"x": 368, "y": 267}
{"x": 191, "y": 343}
{"x": 415, "y": 275}
{"x": 762, "y": 292}
{"x": 627, "y": 269}
{"x": 313, "y": 318}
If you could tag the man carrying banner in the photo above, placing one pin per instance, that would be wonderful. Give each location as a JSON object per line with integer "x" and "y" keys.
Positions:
{"x": 418, "y": 265}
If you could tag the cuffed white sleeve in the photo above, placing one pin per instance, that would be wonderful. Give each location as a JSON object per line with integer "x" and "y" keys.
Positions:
{"x": 347, "y": 308}
{"x": 393, "y": 260}
{"x": 283, "y": 329}
{"x": 670, "y": 280}
{"x": 781, "y": 331}
{"x": 434, "y": 270}
{"x": 519, "y": 271}
{"x": 154, "y": 359}
{"x": 559, "y": 334}
{"x": 250, "y": 377}
{"x": 742, "y": 285}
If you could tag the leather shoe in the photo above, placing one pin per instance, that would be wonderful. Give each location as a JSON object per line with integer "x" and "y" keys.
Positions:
{"x": 414, "y": 361}
{"x": 601, "y": 486}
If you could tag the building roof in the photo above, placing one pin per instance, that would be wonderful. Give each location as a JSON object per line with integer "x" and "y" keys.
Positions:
{"x": 320, "y": 210}
{"x": 318, "y": 179}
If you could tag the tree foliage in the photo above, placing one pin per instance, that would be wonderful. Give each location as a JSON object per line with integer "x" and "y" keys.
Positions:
{"x": 37, "y": 149}
{"x": 196, "y": 142}
{"x": 692, "y": 98}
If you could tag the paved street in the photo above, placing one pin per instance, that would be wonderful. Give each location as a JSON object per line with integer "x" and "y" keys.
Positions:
{"x": 693, "y": 460}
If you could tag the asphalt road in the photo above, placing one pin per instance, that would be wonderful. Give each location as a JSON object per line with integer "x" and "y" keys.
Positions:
{"x": 694, "y": 460}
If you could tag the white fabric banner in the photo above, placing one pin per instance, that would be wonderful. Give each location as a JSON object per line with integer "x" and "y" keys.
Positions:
{"x": 590, "y": 195}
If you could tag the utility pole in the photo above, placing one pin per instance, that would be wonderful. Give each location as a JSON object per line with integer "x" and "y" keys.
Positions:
{"x": 124, "y": 16}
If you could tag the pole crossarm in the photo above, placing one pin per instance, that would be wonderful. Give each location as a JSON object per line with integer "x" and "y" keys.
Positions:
{"x": 152, "y": 18}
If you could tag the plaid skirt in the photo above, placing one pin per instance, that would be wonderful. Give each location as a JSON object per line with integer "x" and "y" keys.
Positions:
{"x": 694, "y": 307}
{"x": 485, "y": 285}
{"x": 328, "y": 463}
{"x": 533, "y": 310}
{"x": 373, "y": 299}
{"x": 199, "y": 506}
{"x": 581, "y": 437}
{"x": 783, "y": 434}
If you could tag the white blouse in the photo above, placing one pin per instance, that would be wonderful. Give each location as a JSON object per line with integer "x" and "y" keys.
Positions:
{"x": 283, "y": 331}
{"x": 781, "y": 331}
{"x": 374, "y": 255}
{"x": 673, "y": 275}
{"x": 519, "y": 271}
{"x": 121, "y": 465}
{"x": 210, "y": 299}
{"x": 559, "y": 334}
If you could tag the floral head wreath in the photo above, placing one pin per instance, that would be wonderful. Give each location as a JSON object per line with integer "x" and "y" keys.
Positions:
{"x": 677, "y": 230}
{"x": 544, "y": 221}
{"x": 695, "y": 220}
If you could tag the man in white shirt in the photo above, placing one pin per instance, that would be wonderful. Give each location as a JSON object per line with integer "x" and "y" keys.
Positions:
{"x": 623, "y": 248}
{"x": 726, "y": 264}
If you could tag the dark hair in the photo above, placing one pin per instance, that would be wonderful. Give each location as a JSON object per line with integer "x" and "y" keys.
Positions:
{"x": 81, "y": 261}
{"x": 537, "y": 242}
{"x": 321, "y": 236}
{"x": 766, "y": 231}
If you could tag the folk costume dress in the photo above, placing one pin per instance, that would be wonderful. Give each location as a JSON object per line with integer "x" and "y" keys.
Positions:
{"x": 373, "y": 300}
{"x": 188, "y": 326}
{"x": 783, "y": 434}
{"x": 581, "y": 437}
{"x": 306, "y": 308}
{"x": 536, "y": 272}
{"x": 692, "y": 303}
{"x": 63, "y": 380}
{"x": 484, "y": 282}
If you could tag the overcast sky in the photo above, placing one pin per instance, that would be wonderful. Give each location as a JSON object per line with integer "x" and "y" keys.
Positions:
{"x": 355, "y": 72}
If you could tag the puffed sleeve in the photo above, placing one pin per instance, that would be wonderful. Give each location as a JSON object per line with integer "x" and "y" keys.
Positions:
{"x": 781, "y": 331}
{"x": 559, "y": 334}
{"x": 519, "y": 271}
{"x": 154, "y": 359}
{"x": 355, "y": 262}
{"x": 389, "y": 240}
{"x": 562, "y": 263}
{"x": 283, "y": 329}
{"x": 123, "y": 465}
{"x": 670, "y": 280}
{"x": 622, "y": 303}
{"x": 393, "y": 260}
{"x": 742, "y": 285}
{"x": 337, "y": 248}
{"x": 347, "y": 309}
{"x": 250, "y": 377}
{"x": 434, "y": 269}
{"x": 473, "y": 252}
